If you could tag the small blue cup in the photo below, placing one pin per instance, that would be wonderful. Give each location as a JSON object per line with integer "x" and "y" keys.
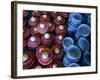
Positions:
{"x": 87, "y": 58}
{"x": 85, "y": 17}
{"x": 71, "y": 28}
{"x": 73, "y": 21}
{"x": 89, "y": 20}
{"x": 73, "y": 53}
{"x": 83, "y": 44}
{"x": 65, "y": 61}
{"x": 76, "y": 18}
{"x": 67, "y": 42}
{"x": 82, "y": 31}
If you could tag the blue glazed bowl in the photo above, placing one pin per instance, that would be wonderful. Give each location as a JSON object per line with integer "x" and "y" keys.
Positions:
{"x": 75, "y": 18}
{"x": 89, "y": 20}
{"x": 67, "y": 42}
{"x": 73, "y": 53}
{"x": 83, "y": 44}
{"x": 73, "y": 21}
{"x": 65, "y": 61}
{"x": 85, "y": 17}
{"x": 73, "y": 65}
{"x": 86, "y": 58}
{"x": 72, "y": 28}
{"x": 82, "y": 31}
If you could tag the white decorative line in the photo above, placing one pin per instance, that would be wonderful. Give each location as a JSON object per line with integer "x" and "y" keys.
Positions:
{"x": 33, "y": 38}
{"x": 25, "y": 57}
{"x": 61, "y": 27}
{"x": 60, "y": 37}
{"x": 44, "y": 16}
{"x": 57, "y": 50}
{"x": 45, "y": 55}
{"x": 47, "y": 35}
{"x": 59, "y": 18}
{"x": 42, "y": 25}
{"x": 33, "y": 19}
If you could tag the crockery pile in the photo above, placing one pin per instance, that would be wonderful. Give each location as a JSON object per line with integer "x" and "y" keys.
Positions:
{"x": 55, "y": 39}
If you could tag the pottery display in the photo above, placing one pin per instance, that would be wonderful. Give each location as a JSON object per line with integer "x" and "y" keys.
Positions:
{"x": 56, "y": 39}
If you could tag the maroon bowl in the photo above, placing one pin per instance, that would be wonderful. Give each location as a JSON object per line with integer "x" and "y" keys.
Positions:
{"x": 37, "y": 65}
{"x": 54, "y": 14}
{"x": 65, "y": 15}
{"x": 55, "y": 64}
{"x": 24, "y": 22}
{"x": 28, "y": 59}
{"x": 44, "y": 12}
{"x": 39, "y": 49}
{"x": 25, "y": 13}
{"x": 33, "y": 21}
{"x": 42, "y": 27}
{"x": 34, "y": 31}
{"x": 45, "y": 18}
{"x": 51, "y": 27}
{"x": 45, "y": 57}
{"x": 59, "y": 20}
{"x": 26, "y": 32}
{"x": 47, "y": 38}
{"x": 59, "y": 39}
{"x": 57, "y": 51}
{"x": 36, "y": 13}
{"x": 24, "y": 43}
{"x": 61, "y": 29}
{"x": 34, "y": 41}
